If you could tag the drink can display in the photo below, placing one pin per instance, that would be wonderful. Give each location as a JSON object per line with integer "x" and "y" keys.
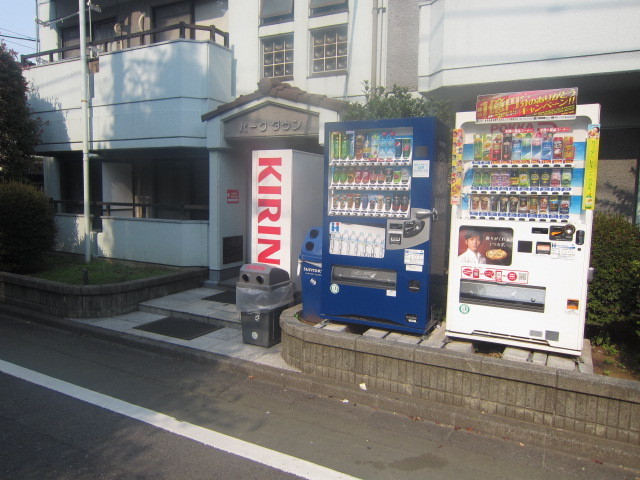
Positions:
{"x": 533, "y": 205}
{"x": 388, "y": 175}
{"x": 496, "y": 178}
{"x": 536, "y": 147}
{"x": 523, "y": 205}
{"x": 404, "y": 202}
{"x": 565, "y": 205}
{"x": 514, "y": 178}
{"x": 569, "y": 149}
{"x": 358, "y": 175}
{"x": 496, "y": 149}
{"x": 344, "y": 147}
{"x": 543, "y": 204}
{"x": 387, "y": 202}
{"x": 556, "y": 178}
{"x": 513, "y": 204}
{"x": 554, "y": 204}
{"x": 349, "y": 200}
{"x": 485, "y": 202}
{"x": 406, "y": 148}
{"x": 405, "y": 175}
{"x": 486, "y": 149}
{"x": 397, "y": 176}
{"x": 381, "y": 175}
{"x": 375, "y": 146}
{"x": 359, "y": 146}
{"x": 343, "y": 200}
{"x": 351, "y": 175}
{"x": 364, "y": 198}
{"x": 366, "y": 175}
{"x": 558, "y": 148}
{"x": 506, "y": 148}
{"x": 335, "y": 177}
{"x": 391, "y": 142}
{"x": 335, "y": 200}
{"x": 566, "y": 177}
{"x": 526, "y": 148}
{"x": 366, "y": 151}
{"x": 486, "y": 179}
{"x": 380, "y": 202}
{"x": 335, "y": 145}
{"x": 547, "y": 148}
{"x": 545, "y": 178}
{"x": 477, "y": 178}
{"x": 356, "y": 201}
{"x": 503, "y": 205}
{"x": 505, "y": 178}
{"x": 397, "y": 153}
{"x": 351, "y": 144}
{"x": 493, "y": 203}
{"x": 523, "y": 176}
{"x": 516, "y": 149}
{"x": 395, "y": 204}
{"x": 534, "y": 179}
{"x": 477, "y": 148}
{"x": 372, "y": 202}
{"x": 475, "y": 203}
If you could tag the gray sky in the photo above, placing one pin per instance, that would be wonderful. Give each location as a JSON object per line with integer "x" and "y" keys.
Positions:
{"x": 17, "y": 20}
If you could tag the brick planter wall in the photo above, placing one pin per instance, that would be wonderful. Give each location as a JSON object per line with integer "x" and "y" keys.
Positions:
{"x": 92, "y": 301}
{"x": 588, "y": 404}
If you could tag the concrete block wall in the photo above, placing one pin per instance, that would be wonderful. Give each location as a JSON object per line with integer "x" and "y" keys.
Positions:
{"x": 92, "y": 301}
{"x": 584, "y": 403}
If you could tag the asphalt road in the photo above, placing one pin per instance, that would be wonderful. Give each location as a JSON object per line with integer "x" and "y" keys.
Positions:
{"x": 153, "y": 414}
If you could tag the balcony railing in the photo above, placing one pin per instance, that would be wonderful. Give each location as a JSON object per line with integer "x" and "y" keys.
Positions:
{"x": 121, "y": 42}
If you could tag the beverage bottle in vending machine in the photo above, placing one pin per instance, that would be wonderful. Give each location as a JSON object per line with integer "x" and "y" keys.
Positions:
{"x": 506, "y": 148}
{"x": 526, "y": 148}
{"x": 496, "y": 149}
{"x": 536, "y": 147}
{"x": 397, "y": 154}
{"x": 547, "y": 148}
{"x": 391, "y": 143}
{"x": 344, "y": 147}
{"x": 477, "y": 148}
{"x": 558, "y": 148}
{"x": 516, "y": 148}
{"x": 569, "y": 149}
{"x": 366, "y": 151}
{"x": 359, "y": 146}
{"x": 335, "y": 145}
{"x": 375, "y": 146}
{"x": 382, "y": 147}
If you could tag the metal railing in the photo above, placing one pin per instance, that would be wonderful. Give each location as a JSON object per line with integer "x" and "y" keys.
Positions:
{"x": 137, "y": 210}
{"x": 121, "y": 42}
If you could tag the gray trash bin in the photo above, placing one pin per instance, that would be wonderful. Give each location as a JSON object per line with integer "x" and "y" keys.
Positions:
{"x": 262, "y": 293}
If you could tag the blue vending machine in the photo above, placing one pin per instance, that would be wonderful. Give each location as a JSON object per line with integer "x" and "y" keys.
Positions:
{"x": 386, "y": 223}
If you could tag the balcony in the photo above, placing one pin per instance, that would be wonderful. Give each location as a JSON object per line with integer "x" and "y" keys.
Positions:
{"x": 143, "y": 94}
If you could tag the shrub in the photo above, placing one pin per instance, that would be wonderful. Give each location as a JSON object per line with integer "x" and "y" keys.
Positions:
{"x": 27, "y": 227}
{"x": 613, "y": 306}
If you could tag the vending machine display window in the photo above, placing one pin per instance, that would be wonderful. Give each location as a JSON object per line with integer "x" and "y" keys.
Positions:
{"x": 371, "y": 172}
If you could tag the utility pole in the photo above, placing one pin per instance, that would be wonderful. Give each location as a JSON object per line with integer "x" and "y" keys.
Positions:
{"x": 84, "y": 101}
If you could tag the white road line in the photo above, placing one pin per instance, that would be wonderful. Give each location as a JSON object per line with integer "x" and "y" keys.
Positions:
{"x": 220, "y": 441}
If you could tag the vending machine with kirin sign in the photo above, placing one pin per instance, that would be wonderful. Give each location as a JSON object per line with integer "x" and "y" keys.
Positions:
{"x": 522, "y": 195}
{"x": 386, "y": 216}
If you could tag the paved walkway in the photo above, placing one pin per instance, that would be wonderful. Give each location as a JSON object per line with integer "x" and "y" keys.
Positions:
{"x": 191, "y": 305}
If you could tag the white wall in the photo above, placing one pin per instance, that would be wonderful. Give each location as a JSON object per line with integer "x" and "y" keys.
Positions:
{"x": 149, "y": 96}
{"x": 117, "y": 179}
{"x": 244, "y": 20}
{"x": 467, "y": 41}
{"x": 179, "y": 243}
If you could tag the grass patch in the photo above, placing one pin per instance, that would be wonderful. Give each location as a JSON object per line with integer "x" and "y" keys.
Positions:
{"x": 69, "y": 269}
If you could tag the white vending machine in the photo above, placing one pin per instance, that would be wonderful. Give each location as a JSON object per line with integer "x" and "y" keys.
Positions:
{"x": 522, "y": 195}
{"x": 286, "y": 202}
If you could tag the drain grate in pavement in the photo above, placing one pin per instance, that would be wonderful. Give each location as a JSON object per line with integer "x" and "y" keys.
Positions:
{"x": 178, "y": 328}
{"x": 223, "y": 297}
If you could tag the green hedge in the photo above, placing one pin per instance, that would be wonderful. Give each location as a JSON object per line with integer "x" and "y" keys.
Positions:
{"x": 27, "y": 227}
{"x": 613, "y": 307}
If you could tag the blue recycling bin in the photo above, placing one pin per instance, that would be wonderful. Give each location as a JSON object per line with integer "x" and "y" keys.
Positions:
{"x": 310, "y": 262}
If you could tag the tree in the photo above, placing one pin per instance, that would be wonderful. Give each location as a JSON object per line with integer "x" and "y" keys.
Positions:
{"x": 19, "y": 131}
{"x": 397, "y": 103}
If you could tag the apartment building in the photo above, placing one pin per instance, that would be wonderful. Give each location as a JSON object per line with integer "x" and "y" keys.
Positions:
{"x": 181, "y": 93}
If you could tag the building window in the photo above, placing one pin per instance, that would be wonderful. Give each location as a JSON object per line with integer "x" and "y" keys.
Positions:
{"x": 99, "y": 31}
{"x": 325, "y": 7}
{"x": 276, "y": 11}
{"x": 329, "y": 50}
{"x": 277, "y": 57}
{"x": 172, "y": 14}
